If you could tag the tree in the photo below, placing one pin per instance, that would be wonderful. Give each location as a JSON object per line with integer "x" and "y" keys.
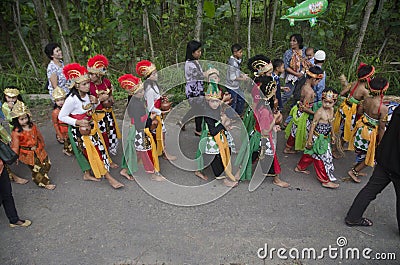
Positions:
{"x": 271, "y": 29}
{"x": 368, "y": 9}
{"x": 199, "y": 20}
{"x": 237, "y": 20}
{"x": 42, "y": 25}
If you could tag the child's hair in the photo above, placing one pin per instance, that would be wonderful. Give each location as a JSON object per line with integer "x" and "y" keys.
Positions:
{"x": 309, "y": 49}
{"x": 19, "y": 97}
{"x": 18, "y": 126}
{"x": 277, "y": 63}
{"x": 236, "y": 47}
{"x": 327, "y": 89}
{"x": 48, "y": 50}
{"x": 378, "y": 85}
{"x": 364, "y": 70}
{"x": 74, "y": 92}
{"x": 191, "y": 47}
{"x": 315, "y": 70}
{"x": 299, "y": 39}
{"x": 55, "y": 106}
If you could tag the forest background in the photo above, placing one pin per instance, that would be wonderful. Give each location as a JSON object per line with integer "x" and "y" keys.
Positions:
{"x": 127, "y": 31}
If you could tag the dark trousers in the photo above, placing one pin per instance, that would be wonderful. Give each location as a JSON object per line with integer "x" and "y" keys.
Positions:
{"x": 6, "y": 197}
{"x": 237, "y": 96}
{"x": 196, "y": 110}
{"x": 378, "y": 181}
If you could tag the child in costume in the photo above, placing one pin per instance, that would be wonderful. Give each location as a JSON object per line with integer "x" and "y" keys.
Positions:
{"x": 296, "y": 131}
{"x": 261, "y": 141}
{"x": 140, "y": 143}
{"x": 60, "y": 127}
{"x": 101, "y": 88}
{"x": 345, "y": 117}
{"x": 28, "y": 143}
{"x": 318, "y": 149}
{"x": 87, "y": 141}
{"x": 214, "y": 142}
{"x": 370, "y": 128}
{"x": 11, "y": 95}
{"x": 148, "y": 71}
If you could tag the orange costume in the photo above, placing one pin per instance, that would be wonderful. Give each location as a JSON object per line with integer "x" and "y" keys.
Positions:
{"x": 29, "y": 145}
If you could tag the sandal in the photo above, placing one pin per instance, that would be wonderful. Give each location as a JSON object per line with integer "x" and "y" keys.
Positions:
{"x": 362, "y": 222}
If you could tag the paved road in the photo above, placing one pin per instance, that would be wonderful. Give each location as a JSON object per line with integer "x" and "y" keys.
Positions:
{"x": 90, "y": 223}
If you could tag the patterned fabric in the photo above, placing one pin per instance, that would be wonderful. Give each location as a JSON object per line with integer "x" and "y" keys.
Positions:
{"x": 360, "y": 142}
{"x": 40, "y": 170}
{"x": 287, "y": 57}
{"x": 107, "y": 128}
{"x": 95, "y": 140}
{"x": 194, "y": 79}
{"x": 142, "y": 141}
{"x": 61, "y": 80}
{"x": 325, "y": 129}
{"x": 298, "y": 127}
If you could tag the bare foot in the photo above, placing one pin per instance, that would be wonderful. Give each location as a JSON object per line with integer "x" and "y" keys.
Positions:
{"x": 230, "y": 184}
{"x": 330, "y": 185}
{"x": 49, "y": 186}
{"x": 168, "y": 156}
{"x": 280, "y": 183}
{"x": 201, "y": 175}
{"x": 362, "y": 174}
{"x": 67, "y": 153}
{"x": 288, "y": 151}
{"x": 113, "y": 165}
{"x": 354, "y": 175}
{"x": 157, "y": 177}
{"x": 113, "y": 182}
{"x": 237, "y": 175}
{"x": 124, "y": 172}
{"x": 18, "y": 180}
{"x": 87, "y": 176}
{"x": 307, "y": 172}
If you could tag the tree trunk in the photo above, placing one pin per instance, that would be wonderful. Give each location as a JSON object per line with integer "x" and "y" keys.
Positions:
{"x": 17, "y": 23}
{"x": 273, "y": 17}
{"x": 249, "y": 31}
{"x": 368, "y": 9}
{"x": 147, "y": 27}
{"x": 42, "y": 25}
{"x": 265, "y": 19}
{"x": 199, "y": 20}
{"x": 237, "y": 20}
{"x": 64, "y": 45}
{"x": 347, "y": 32}
{"x": 379, "y": 13}
{"x": 8, "y": 41}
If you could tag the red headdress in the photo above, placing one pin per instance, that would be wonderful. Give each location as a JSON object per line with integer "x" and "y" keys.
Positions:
{"x": 368, "y": 75}
{"x": 75, "y": 73}
{"x": 130, "y": 83}
{"x": 144, "y": 68}
{"x": 97, "y": 64}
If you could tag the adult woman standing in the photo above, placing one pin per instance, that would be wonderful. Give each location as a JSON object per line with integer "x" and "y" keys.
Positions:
{"x": 55, "y": 73}
{"x": 294, "y": 64}
{"x": 194, "y": 85}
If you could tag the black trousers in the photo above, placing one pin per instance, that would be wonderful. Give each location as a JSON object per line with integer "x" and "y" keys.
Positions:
{"x": 379, "y": 180}
{"x": 195, "y": 111}
{"x": 6, "y": 197}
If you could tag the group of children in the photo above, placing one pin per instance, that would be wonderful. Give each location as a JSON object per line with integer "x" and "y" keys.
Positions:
{"x": 85, "y": 123}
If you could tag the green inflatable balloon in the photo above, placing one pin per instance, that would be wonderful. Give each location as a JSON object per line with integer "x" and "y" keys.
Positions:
{"x": 307, "y": 10}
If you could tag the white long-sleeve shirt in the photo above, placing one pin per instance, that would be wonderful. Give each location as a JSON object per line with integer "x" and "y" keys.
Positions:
{"x": 151, "y": 94}
{"x": 73, "y": 105}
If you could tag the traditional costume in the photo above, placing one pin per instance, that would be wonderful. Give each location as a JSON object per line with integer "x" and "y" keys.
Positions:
{"x": 87, "y": 142}
{"x": 215, "y": 140}
{"x": 258, "y": 118}
{"x": 320, "y": 154}
{"x": 365, "y": 134}
{"x": 60, "y": 127}
{"x": 345, "y": 117}
{"x": 10, "y": 92}
{"x": 29, "y": 145}
{"x": 296, "y": 131}
{"x": 139, "y": 143}
{"x": 104, "y": 114}
{"x": 152, "y": 96}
